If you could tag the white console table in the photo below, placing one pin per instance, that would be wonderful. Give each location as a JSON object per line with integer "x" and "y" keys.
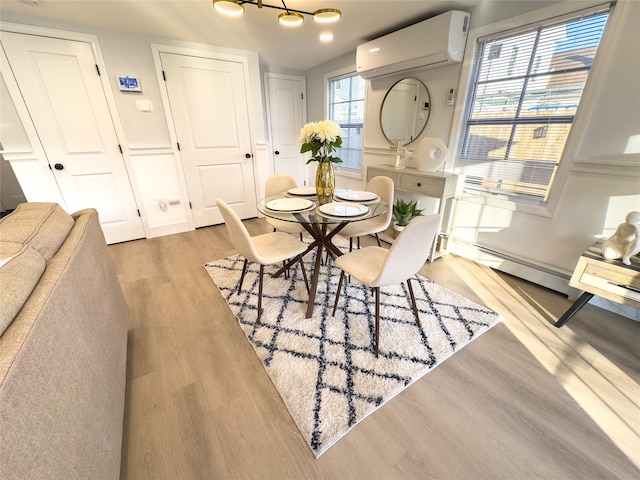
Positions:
{"x": 445, "y": 187}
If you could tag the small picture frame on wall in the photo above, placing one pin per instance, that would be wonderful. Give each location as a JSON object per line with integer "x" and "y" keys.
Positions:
{"x": 129, "y": 84}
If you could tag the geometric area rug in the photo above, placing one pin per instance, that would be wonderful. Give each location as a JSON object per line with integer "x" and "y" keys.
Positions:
{"x": 324, "y": 367}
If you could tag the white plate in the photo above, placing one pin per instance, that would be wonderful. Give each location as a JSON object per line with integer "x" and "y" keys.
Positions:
{"x": 289, "y": 205}
{"x": 343, "y": 209}
{"x": 357, "y": 196}
{"x": 302, "y": 191}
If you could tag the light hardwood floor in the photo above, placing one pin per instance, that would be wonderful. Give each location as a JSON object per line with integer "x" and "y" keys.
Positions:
{"x": 524, "y": 401}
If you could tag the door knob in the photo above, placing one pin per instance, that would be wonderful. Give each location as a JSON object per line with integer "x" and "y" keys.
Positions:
{"x": 277, "y": 152}
{"x": 58, "y": 166}
{"x": 247, "y": 155}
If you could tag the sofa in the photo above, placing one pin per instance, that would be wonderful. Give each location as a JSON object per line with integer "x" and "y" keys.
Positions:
{"x": 63, "y": 347}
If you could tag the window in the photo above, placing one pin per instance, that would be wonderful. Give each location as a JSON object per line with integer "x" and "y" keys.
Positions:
{"x": 526, "y": 91}
{"x": 346, "y": 107}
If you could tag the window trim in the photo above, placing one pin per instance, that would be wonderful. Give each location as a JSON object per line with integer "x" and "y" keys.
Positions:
{"x": 519, "y": 24}
{"x": 337, "y": 75}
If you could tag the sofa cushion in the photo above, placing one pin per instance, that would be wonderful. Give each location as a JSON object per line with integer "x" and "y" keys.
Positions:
{"x": 43, "y": 226}
{"x": 20, "y": 269}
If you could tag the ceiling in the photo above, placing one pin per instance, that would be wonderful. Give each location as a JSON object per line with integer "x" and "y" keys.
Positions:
{"x": 257, "y": 30}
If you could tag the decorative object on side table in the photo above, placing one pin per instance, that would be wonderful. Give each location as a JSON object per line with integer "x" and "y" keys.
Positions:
{"x": 625, "y": 242}
{"x": 397, "y": 155}
{"x": 404, "y": 212}
{"x": 429, "y": 154}
{"x": 321, "y": 139}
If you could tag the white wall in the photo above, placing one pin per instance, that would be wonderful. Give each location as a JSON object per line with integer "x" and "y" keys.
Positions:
{"x": 592, "y": 193}
{"x": 150, "y": 150}
{"x": 597, "y": 184}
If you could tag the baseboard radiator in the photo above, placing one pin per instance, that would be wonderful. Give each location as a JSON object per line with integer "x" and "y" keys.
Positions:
{"x": 537, "y": 273}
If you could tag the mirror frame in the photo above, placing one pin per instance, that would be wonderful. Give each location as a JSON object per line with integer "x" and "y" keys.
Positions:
{"x": 426, "y": 120}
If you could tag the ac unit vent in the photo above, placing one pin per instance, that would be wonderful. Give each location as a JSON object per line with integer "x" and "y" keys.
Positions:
{"x": 433, "y": 42}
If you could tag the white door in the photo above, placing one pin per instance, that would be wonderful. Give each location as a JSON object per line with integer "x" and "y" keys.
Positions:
{"x": 286, "y": 118}
{"x": 209, "y": 105}
{"x": 61, "y": 88}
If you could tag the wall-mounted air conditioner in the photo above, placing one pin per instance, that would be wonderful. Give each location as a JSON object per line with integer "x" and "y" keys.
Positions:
{"x": 433, "y": 42}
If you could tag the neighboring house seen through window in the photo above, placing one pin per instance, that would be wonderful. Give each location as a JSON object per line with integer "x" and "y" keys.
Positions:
{"x": 526, "y": 92}
{"x": 346, "y": 107}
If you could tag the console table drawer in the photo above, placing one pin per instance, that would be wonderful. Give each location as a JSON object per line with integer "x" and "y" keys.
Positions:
{"x": 429, "y": 186}
{"x": 375, "y": 173}
{"x": 442, "y": 186}
{"x": 607, "y": 280}
{"x": 610, "y": 279}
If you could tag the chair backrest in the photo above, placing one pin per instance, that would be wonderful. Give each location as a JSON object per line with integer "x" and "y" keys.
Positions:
{"x": 409, "y": 251}
{"x": 238, "y": 232}
{"x": 279, "y": 183}
{"x": 383, "y": 187}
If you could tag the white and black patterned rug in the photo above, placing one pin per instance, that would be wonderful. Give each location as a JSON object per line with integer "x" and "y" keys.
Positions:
{"x": 324, "y": 367}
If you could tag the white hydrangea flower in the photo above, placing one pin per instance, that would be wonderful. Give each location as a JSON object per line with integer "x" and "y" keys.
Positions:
{"x": 325, "y": 131}
{"x": 328, "y": 131}
{"x": 321, "y": 139}
{"x": 308, "y": 132}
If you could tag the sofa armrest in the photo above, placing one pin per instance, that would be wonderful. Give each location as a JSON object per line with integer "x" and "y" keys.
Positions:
{"x": 63, "y": 367}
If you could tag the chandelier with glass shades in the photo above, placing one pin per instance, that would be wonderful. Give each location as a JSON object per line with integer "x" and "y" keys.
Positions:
{"x": 289, "y": 17}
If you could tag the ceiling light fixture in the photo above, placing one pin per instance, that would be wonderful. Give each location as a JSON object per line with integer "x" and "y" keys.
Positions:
{"x": 327, "y": 15}
{"x": 289, "y": 17}
{"x": 228, "y": 7}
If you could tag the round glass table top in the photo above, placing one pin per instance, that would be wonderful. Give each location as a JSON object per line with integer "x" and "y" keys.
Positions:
{"x": 307, "y": 209}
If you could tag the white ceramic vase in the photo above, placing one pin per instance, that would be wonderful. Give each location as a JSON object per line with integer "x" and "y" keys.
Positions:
{"x": 430, "y": 154}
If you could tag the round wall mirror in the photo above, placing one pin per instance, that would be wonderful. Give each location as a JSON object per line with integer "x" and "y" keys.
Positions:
{"x": 405, "y": 111}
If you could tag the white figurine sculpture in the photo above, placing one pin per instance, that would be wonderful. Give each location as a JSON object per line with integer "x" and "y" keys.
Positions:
{"x": 626, "y": 241}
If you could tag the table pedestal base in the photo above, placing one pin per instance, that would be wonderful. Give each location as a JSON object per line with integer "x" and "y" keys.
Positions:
{"x": 322, "y": 240}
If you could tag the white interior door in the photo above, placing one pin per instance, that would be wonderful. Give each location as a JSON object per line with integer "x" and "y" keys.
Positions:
{"x": 209, "y": 105}
{"x": 286, "y": 118}
{"x": 61, "y": 88}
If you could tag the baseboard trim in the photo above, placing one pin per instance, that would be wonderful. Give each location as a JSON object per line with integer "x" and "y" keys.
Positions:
{"x": 537, "y": 273}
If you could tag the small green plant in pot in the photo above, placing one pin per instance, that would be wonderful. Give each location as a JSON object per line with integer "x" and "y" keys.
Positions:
{"x": 404, "y": 212}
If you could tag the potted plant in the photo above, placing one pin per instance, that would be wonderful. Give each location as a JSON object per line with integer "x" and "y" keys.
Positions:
{"x": 404, "y": 212}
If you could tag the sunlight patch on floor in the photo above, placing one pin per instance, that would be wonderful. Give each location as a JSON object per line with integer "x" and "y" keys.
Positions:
{"x": 606, "y": 393}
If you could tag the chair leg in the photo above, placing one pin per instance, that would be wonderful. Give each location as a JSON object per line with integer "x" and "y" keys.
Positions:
{"x": 335, "y": 305}
{"x": 350, "y": 244}
{"x": 358, "y": 243}
{"x": 260, "y": 294}
{"x": 377, "y": 289}
{"x": 413, "y": 302}
{"x": 244, "y": 270}
{"x": 378, "y": 239}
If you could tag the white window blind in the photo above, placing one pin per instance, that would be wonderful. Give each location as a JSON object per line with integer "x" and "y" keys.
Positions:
{"x": 346, "y": 107}
{"x": 527, "y": 88}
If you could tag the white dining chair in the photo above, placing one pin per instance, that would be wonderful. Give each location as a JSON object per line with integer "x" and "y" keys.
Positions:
{"x": 265, "y": 249}
{"x": 280, "y": 183}
{"x": 378, "y": 267}
{"x": 383, "y": 187}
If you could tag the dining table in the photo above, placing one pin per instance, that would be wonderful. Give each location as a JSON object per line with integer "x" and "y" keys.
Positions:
{"x": 322, "y": 221}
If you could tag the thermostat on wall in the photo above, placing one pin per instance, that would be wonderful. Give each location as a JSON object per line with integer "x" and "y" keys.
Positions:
{"x": 129, "y": 84}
